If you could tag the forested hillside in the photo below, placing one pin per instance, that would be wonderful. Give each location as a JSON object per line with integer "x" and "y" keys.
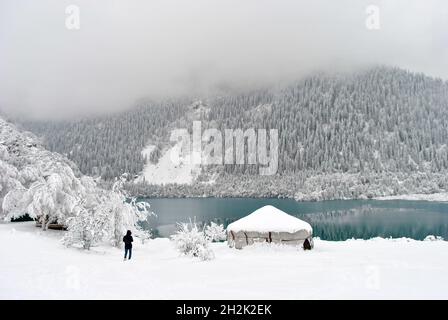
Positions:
{"x": 111, "y": 145}
{"x": 382, "y": 122}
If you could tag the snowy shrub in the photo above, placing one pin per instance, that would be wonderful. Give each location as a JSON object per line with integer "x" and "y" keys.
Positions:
{"x": 215, "y": 232}
{"x": 145, "y": 235}
{"x": 191, "y": 241}
{"x": 433, "y": 238}
{"x": 205, "y": 253}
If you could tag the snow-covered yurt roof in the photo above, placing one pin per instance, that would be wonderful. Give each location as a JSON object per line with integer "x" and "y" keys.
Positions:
{"x": 269, "y": 219}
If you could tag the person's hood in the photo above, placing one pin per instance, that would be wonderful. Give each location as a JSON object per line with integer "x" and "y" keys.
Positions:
{"x": 128, "y": 233}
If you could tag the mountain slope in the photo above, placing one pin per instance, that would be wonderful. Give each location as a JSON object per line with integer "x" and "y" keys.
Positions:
{"x": 367, "y": 125}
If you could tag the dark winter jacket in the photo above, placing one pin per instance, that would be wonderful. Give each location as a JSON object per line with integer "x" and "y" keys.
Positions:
{"x": 127, "y": 239}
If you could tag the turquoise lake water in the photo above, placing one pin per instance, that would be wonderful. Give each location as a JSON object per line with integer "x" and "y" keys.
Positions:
{"x": 331, "y": 220}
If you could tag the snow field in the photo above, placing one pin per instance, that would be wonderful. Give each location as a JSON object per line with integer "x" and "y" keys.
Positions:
{"x": 35, "y": 265}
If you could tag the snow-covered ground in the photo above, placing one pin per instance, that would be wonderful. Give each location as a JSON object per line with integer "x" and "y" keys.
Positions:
{"x": 171, "y": 168}
{"x": 176, "y": 164}
{"x": 34, "y": 264}
{"x": 441, "y": 196}
{"x": 146, "y": 152}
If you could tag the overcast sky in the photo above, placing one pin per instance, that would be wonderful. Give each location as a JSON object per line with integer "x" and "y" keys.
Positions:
{"x": 129, "y": 49}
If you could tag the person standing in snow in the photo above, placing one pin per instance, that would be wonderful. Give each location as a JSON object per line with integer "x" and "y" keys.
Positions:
{"x": 127, "y": 239}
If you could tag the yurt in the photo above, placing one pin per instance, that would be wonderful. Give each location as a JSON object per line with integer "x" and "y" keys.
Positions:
{"x": 269, "y": 224}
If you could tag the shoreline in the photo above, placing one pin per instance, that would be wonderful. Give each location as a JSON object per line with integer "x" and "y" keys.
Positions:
{"x": 430, "y": 197}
